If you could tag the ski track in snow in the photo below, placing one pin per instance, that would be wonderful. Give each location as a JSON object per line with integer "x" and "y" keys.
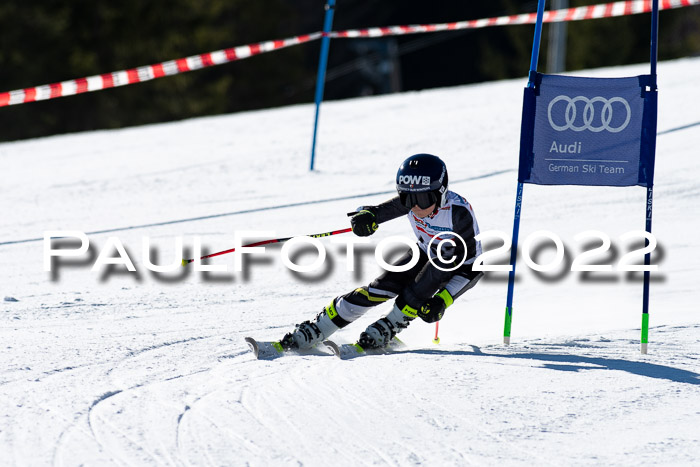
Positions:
{"x": 139, "y": 369}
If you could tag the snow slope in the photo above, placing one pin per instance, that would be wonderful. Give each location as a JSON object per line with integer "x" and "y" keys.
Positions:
{"x": 114, "y": 368}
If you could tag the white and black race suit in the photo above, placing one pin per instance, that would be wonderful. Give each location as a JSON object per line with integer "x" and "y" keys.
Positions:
{"x": 418, "y": 284}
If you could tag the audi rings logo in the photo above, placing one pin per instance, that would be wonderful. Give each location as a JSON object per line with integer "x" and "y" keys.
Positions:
{"x": 589, "y": 111}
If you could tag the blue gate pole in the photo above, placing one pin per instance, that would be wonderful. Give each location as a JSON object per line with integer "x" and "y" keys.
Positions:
{"x": 321, "y": 77}
{"x": 647, "y": 261}
{"x": 513, "y": 255}
{"x": 519, "y": 196}
{"x": 650, "y": 191}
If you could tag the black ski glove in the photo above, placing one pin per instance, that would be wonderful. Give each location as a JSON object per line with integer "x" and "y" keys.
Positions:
{"x": 435, "y": 307}
{"x": 364, "y": 223}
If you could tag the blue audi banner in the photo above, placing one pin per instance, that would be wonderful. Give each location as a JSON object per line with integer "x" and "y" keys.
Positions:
{"x": 588, "y": 131}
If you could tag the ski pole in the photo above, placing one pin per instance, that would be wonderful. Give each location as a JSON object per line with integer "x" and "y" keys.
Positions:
{"x": 185, "y": 262}
{"x": 437, "y": 339}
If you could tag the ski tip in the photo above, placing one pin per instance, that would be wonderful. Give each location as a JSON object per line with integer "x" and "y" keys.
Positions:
{"x": 265, "y": 350}
{"x": 344, "y": 351}
{"x": 333, "y": 347}
{"x": 252, "y": 344}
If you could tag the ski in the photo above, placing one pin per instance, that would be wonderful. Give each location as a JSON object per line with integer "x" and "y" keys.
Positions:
{"x": 270, "y": 350}
{"x": 348, "y": 351}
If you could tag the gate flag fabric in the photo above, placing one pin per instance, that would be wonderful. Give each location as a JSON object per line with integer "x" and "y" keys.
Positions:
{"x": 588, "y": 131}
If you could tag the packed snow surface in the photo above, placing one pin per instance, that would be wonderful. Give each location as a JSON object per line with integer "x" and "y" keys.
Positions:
{"x": 111, "y": 367}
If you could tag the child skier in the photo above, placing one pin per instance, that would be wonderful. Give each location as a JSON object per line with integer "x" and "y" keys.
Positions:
{"x": 428, "y": 288}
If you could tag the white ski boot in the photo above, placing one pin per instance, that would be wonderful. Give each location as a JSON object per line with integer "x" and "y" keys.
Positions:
{"x": 380, "y": 333}
{"x": 308, "y": 333}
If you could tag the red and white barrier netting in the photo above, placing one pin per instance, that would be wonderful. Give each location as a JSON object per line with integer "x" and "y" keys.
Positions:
{"x": 148, "y": 72}
{"x": 195, "y": 62}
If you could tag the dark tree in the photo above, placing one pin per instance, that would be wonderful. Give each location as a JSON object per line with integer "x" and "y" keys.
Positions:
{"x": 49, "y": 41}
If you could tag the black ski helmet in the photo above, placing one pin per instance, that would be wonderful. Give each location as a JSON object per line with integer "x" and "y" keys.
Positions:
{"x": 422, "y": 180}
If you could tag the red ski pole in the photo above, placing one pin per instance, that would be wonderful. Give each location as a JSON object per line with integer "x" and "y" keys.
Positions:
{"x": 185, "y": 262}
{"x": 437, "y": 339}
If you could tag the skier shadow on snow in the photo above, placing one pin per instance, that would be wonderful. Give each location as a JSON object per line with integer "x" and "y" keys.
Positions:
{"x": 564, "y": 362}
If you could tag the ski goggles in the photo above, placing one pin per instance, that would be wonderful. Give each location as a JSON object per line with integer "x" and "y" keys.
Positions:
{"x": 423, "y": 199}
